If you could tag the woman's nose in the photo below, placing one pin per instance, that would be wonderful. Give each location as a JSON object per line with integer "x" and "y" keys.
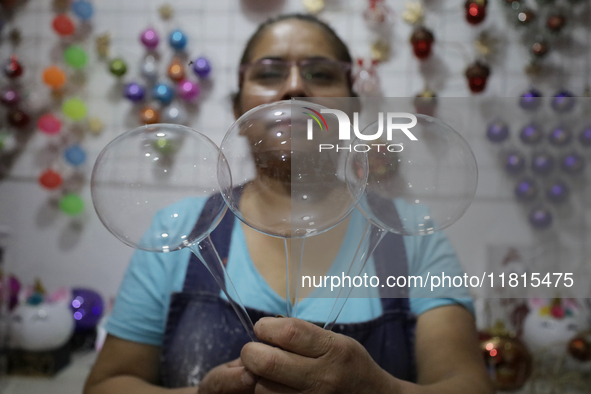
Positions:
{"x": 294, "y": 85}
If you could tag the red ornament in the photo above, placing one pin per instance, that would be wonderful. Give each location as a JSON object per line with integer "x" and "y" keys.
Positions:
{"x": 475, "y": 11}
{"x": 12, "y": 68}
{"x": 555, "y": 23}
{"x": 508, "y": 361}
{"x": 49, "y": 124}
{"x": 18, "y": 118}
{"x": 422, "y": 39}
{"x": 580, "y": 348}
{"x": 63, "y": 25}
{"x": 50, "y": 179}
{"x": 477, "y": 75}
{"x": 539, "y": 49}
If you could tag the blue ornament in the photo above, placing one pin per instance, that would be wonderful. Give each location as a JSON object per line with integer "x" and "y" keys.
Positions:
{"x": 177, "y": 40}
{"x": 531, "y": 134}
{"x": 540, "y": 218}
{"x": 572, "y": 164}
{"x": 514, "y": 163}
{"x": 526, "y": 189}
{"x": 585, "y": 137}
{"x": 557, "y": 192}
{"x": 542, "y": 163}
{"x": 134, "y": 92}
{"x": 563, "y": 101}
{"x": 82, "y": 9}
{"x": 560, "y": 136}
{"x": 530, "y": 100}
{"x": 497, "y": 131}
{"x": 75, "y": 155}
{"x": 201, "y": 67}
{"x": 163, "y": 93}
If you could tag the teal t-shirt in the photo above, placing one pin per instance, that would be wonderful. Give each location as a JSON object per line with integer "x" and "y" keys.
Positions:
{"x": 141, "y": 307}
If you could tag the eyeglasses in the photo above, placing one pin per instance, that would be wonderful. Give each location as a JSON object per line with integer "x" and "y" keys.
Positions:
{"x": 320, "y": 74}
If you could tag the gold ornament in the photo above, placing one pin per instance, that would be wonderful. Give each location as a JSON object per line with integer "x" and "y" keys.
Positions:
{"x": 166, "y": 11}
{"x": 533, "y": 69}
{"x": 95, "y": 125}
{"x": 103, "y": 42}
{"x": 313, "y": 6}
{"x": 380, "y": 50}
{"x": 486, "y": 44}
{"x": 61, "y": 5}
{"x": 413, "y": 14}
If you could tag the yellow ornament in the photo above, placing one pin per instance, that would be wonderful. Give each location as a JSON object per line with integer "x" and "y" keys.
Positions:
{"x": 103, "y": 43}
{"x": 413, "y": 14}
{"x": 545, "y": 310}
{"x": 380, "y": 50}
{"x": 95, "y": 125}
{"x": 166, "y": 11}
{"x": 486, "y": 44}
{"x": 313, "y": 6}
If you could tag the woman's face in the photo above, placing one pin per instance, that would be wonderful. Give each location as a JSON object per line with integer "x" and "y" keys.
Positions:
{"x": 290, "y": 40}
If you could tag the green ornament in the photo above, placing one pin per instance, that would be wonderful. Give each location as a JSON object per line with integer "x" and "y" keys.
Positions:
{"x": 164, "y": 146}
{"x": 74, "y": 108}
{"x": 118, "y": 67}
{"x": 75, "y": 57}
{"x": 71, "y": 204}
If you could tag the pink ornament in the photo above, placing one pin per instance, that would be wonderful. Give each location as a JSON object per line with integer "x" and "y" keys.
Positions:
{"x": 188, "y": 90}
{"x": 150, "y": 38}
{"x": 49, "y": 124}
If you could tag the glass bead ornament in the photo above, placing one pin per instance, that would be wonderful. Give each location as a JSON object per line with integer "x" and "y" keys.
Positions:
{"x": 54, "y": 77}
{"x": 514, "y": 162}
{"x": 13, "y": 68}
{"x": 563, "y": 101}
{"x": 188, "y": 90}
{"x": 74, "y": 109}
{"x": 163, "y": 93}
{"x": 557, "y": 192}
{"x": 477, "y": 75}
{"x": 134, "y": 92}
{"x": 49, "y": 124}
{"x": 150, "y": 38}
{"x": 556, "y": 22}
{"x": 572, "y": 163}
{"x": 525, "y": 17}
{"x": 542, "y": 163}
{"x": 148, "y": 115}
{"x": 75, "y": 155}
{"x": 177, "y": 40}
{"x": 175, "y": 114}
{"x": 118, "y": 67}
{"x": 531, "y": 134}
{"x": 149, "y": 68}
{"x": 540, "y": 217}
{"x": 497, "y": 131}
{"x": 63, "y": 25}
{"x": 18, "y": 118}
{"x": 475, "y": 11}
{"x": 83, "y": 9}
{"x": 202, "y": 67}
{"x": 176, "y": 70}
{"x": 539, "y": 49}
{"x": 50, "y": 179}
{"x": 560, "y": 136}
{"x": 526, "y": 189}
{"x": 530, "y": 100}
{"x": 71, "y": 204}
{"x": 422, "y": 41}
{"x": 9, "y": 97}
{"x": 585, "y": 137}
{"x": 75, "y": 56}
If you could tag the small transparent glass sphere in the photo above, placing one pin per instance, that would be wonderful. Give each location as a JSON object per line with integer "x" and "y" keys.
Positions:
{"x": 282, "y": 184}
{"x": 423, "y": 186}
{"x": 149, "y": 186}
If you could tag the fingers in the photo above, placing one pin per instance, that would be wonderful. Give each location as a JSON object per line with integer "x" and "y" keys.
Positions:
{"x": 229, "y": 380}
{"x": 278, "y": 365}
{"x": 265, "y": 386}
{"x": 295, "y": 335}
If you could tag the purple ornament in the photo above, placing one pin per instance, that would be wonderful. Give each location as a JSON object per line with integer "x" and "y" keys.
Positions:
{"x": 557, "y": 192}
{"x": 201, "y": 67}
{"x": 563, "y": 101}
{"x": 526, "y": 189}
{"x": 87, "y": 308}
{"x": 149, "y": 38}
{"x": 572, "y": 164}
{"x": 585, "y": 137}
{"x": 542, "y": 163}
{"x": 497, "y": 131}
{"x": 10, "y": 97}
{"x": 530, "y": 100}
{"x": 134, "y": 92}
{"x": 531, "y": 134}
{"x": 560, "y": 136}
{"x": 540, "y": 218}
{"x": 514, "y": 163}
{"x": 188, "y": 90}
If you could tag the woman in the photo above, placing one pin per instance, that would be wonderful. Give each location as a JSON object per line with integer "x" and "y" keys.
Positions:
{"x": 376, "y": 349}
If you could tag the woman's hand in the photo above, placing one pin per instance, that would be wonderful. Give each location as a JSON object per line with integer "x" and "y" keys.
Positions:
{"x": 229, "y": 378}
{"x": 309, "y": 359}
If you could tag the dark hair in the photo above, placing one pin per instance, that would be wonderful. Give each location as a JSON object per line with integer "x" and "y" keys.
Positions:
{"x": 341, "y": 49}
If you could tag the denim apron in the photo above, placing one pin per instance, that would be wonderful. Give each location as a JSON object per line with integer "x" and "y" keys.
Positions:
{"x": 203, "y": 331}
